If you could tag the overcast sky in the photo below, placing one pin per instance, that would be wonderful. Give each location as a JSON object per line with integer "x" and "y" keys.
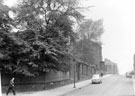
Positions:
{"x": 119, "y": 24}
{"x": 119, "y": 36}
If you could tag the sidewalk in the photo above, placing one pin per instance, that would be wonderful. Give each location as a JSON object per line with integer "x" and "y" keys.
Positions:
{"x": 60, "y": 91}
{"x": 133, "y": 78}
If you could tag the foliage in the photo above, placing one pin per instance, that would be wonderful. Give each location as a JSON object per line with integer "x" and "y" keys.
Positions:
{"x": 13, "y": 54}
{"x": 88, "y": 46}
{"x": 91, "y": 30}
{"x": 44, "y": 36}
{"x": 5, "y": 20}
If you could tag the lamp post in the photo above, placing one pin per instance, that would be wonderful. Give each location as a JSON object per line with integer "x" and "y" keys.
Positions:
{"x": 74, "y": 72}
{"x": 0, "y": 85}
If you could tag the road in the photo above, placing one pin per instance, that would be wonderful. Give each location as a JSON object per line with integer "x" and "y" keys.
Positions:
{"x": 111, "y": 86}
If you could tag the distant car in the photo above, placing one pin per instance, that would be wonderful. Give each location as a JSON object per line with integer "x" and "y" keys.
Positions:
{"x": 128, "y": 75}
{"x": 96, "y": 79}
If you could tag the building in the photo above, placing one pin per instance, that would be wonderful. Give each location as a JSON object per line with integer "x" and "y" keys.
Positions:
{"x": 98, "y": 57}
{"x": 102, "y": 67}
{"x": 110, "y": 67}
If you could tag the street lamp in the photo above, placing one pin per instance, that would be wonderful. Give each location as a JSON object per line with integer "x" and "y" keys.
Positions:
{"x": 74, "y": 72}
{"x": 0, "y": 84}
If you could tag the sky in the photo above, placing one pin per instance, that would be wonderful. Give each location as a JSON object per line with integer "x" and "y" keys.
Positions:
{"x": 119, "y": 24}
{"x": 118, "y": 39}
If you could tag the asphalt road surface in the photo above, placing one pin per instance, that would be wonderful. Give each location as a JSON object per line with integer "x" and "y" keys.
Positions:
{"x": 111, "y": 86}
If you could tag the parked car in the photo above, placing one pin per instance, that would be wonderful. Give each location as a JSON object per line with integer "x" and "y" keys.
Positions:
{"x": 96, "y": 79}
{"x": 128, "y": 75}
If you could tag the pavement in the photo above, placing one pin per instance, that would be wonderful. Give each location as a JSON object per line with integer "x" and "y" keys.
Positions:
{"x": 59, "y": 91}
{"x": 133, "y": 78}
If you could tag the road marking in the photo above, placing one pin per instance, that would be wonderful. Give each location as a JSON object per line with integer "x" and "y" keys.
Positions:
{"x": 133, "y": 78}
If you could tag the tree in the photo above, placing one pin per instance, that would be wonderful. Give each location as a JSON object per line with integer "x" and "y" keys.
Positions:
{"x": 12, "y": 53}
{"x": 5, "y": 20}
{"x": 41, "y": 44}
{"x": 5, "y": 28}
{"x": 88, "y": 44}
{"x": 91, "y": 30}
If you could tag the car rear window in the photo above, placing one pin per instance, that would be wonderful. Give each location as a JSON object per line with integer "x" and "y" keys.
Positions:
{"x": 95, "y": 76}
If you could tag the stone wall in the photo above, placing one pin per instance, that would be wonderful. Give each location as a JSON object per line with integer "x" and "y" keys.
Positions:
{"x": 44, "y": 81}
